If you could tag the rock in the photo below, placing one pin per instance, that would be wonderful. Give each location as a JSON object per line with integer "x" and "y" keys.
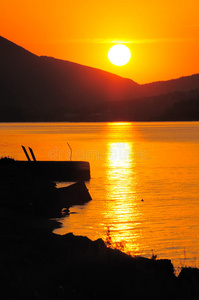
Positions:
{"x": 74, "y": 194}
{"x": 189, "y": 282}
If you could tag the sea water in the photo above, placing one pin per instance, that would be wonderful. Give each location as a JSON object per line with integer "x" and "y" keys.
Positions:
{"x": 144, "y": 181}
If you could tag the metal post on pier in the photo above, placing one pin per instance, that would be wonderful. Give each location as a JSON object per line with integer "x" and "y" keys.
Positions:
{"x": 32, "y": 153}
{"x": 71, "y": 152}
{"x": 26, "y": 153}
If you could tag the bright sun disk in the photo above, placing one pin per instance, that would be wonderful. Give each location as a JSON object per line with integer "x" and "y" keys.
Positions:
{"x": 119, "y": 55}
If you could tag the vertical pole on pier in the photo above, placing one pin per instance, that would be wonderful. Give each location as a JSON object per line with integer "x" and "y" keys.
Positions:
{"x": 32, "y": 153}
{"x": 26, "y": 153}
{"x": 70, "y": 151}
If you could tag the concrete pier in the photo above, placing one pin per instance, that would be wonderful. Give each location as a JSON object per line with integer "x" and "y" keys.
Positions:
{"x": 60, "y": 170}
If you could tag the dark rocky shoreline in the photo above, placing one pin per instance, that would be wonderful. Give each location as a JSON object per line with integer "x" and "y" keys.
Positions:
{"x": 38, "y": 264}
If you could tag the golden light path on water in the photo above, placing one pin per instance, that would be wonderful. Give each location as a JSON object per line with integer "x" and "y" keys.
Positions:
{"x": 113, "y": 187}
{"x": 120, "y": 188}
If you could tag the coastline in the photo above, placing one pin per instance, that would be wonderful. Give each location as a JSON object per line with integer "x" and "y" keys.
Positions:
{"x": 39, "y": 264}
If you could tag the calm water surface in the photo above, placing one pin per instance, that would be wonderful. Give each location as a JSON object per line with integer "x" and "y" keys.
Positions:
{"x": 144, "y": 182}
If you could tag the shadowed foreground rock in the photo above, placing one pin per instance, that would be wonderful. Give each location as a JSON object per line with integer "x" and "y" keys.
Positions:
{"x": 37, "y": 264}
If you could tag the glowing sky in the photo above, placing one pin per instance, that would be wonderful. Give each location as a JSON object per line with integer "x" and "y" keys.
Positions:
{"x": 163, "y": 36}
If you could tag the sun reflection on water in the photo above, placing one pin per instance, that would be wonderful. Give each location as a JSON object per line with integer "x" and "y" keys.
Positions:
{"x": 121, "y": 190}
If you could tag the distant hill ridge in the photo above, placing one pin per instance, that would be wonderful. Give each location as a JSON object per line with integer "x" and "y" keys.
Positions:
{"x": 34, "y": 88}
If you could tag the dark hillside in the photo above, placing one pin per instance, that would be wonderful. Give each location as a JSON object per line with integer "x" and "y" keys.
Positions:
{"x": 34, "y": 88}
{"x": 174, "y": 85}
{"x": 47, "y": 88}
{"x": 176, "y": 106}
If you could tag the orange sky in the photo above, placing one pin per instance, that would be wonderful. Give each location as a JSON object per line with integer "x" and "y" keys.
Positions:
{"x": 163, "y": 36}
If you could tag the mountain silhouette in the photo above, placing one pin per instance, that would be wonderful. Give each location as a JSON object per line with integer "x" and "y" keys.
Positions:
{"x": 40, "y": 88}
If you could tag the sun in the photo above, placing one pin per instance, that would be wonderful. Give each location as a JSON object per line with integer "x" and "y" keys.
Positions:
{"x": 119, "y": 55}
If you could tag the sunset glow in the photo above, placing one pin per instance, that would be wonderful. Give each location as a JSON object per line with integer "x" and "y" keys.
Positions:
{"x": 163, "y": 37}
{"x": 99, "y": 149}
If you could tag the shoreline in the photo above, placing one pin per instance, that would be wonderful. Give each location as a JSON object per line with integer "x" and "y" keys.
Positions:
{"x": 39, "y": 264}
